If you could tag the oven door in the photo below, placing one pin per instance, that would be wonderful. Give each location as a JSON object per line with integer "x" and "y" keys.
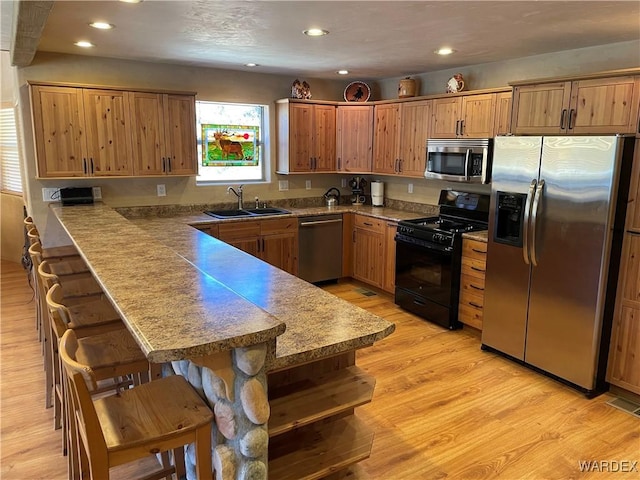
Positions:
{"x": 424, "y": 281}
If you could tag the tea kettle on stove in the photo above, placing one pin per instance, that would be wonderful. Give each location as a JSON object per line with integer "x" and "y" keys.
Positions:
{"x": 332, "y": 197}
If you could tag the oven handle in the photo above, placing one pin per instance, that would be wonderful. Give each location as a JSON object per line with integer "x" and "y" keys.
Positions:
{"x": 467, "y": 159}
{"x": 534, "y": 221}
{"x": 431, "y": 248}
{"x": 527, "y": 219}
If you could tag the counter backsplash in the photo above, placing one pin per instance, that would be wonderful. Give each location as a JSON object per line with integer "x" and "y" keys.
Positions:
{"x": 308, "y": 202}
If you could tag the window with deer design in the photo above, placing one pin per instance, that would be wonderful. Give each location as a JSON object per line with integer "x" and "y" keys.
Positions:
{"x": 230, "y": 142}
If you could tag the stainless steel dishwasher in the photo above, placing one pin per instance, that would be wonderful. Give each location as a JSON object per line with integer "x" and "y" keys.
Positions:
{"x": 320, "y": 248}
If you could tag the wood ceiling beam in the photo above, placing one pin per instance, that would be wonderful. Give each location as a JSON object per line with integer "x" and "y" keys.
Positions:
{"x": 29, "y": 20}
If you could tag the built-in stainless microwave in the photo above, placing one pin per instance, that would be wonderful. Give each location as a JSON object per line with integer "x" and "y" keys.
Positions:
{"x": 460, "y": 160}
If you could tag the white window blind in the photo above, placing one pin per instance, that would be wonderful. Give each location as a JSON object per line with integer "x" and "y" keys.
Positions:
{"x": 10, "y": 179}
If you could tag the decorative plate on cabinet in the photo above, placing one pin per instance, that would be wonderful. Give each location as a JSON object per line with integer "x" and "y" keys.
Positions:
{"x": 357, "y": 92}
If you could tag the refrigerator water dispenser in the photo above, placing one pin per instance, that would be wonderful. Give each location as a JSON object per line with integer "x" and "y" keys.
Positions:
{"x": 509, "y": 218}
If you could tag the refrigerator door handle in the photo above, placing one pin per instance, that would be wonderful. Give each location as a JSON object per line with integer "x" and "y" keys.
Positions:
{"x": 525, "y": 225}
{"x": 534, "y": 221}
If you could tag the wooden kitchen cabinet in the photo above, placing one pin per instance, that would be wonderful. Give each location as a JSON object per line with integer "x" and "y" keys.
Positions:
{"x": 386, "y": 127}
{"x": 368, "y": 249}
{"x": 400, "y": 138}
{"x": 306, "y": 137}
{"x": 472, "y": 281}
{"x": 211, "y": 229}
{"x": 164, "y": 136}
{"x": 109, "y": 132}
{"x": 624, "y": 357}
{"x": 633, "y": 204}
{"x": 354, "y": 138}
{"x": 503, "y": 113}
{"x": 466, "y": 116}
{"x": 274, "y": 241}
{"x": 389, "y": 283}
{"x": 582, "y": 106}
{"x": 81, "y": 132}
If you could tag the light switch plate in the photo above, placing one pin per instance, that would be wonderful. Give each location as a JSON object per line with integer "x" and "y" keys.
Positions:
{"x": 283, "y": 185}
{"x": 162, "y": 191}
{"x": 50, "y": 194}
{"x": 308, "y": 184}
{"x": 410, "y": 188}
{"x": 344, "y": 183}
{"x": 97, "y": 193}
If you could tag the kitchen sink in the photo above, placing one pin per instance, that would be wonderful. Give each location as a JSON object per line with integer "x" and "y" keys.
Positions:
{"x": 249, "y": 212}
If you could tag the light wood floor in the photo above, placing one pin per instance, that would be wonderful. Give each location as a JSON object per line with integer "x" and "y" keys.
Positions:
{"x": 442, "y": 408}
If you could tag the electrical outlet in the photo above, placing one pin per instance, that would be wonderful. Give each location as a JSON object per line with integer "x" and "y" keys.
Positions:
{"x": 97, "y": 193}
{"x": 283, "y": 185}
{"x": 308, "y": 184}
{"x": 50, "y": 194}
{"x": 162, "y": 191}
{"x": 410, "y": 188}
{"x": 344, "y": 183}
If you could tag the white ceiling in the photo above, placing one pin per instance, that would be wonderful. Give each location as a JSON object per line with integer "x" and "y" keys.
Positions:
{"x": 372, "y": 39}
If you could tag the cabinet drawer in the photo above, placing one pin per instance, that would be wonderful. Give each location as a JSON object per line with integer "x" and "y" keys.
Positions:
{"x": 209, "y": 229}
{"x": 280, "y": 225}
{"x": 472, "y": 300}
{"x": 474, "y": 249}
{"x": 470, "y": 316}
{"x": 238, "y": 230}
{"x": 474, "y": 268}
{"x": 472, "y": 285}
{"x": 369, "y": 223}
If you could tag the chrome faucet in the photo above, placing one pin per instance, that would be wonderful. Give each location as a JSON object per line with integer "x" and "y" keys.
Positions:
{"x": 237, "y": 194}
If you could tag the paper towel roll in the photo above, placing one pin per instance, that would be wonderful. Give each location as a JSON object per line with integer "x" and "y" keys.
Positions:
{"x": 377, "y": 193}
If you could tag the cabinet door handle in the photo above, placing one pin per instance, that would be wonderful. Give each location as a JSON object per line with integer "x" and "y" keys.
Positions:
{"x": 368, "y": 224}
{"x": 473, "y": 304}
{"x": 477, "y": 269}
{"x": 353, "y": 236}
{"x": 563, "y": 118}
{"x": 457, "y": 127}
{"x": 461, "y": 127}
{"x": 475, "y": 287}
{"x": 399, "y": 165}
{"x": 339, "y": 163}
{"x": 91, "y": 166}
{"x": 572, "y": 118}
{"x": 164, "y": 165}
{"x": 263, "y": 245}
{"x": 258, "y": 245}
{"x": 84, "y": 166}
{"x": 478, "y": 251}
{"x": 168, "y": 164}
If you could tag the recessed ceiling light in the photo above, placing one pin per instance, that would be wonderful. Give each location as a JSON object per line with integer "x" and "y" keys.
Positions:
{"x": 343, "y": 72}
{"x": 444, "y": 51}
{"x": 101, "y": 25}
{"x": 84, "y": 44}
{"x": 315, "y": 32}
{"x": 251, "y": 65}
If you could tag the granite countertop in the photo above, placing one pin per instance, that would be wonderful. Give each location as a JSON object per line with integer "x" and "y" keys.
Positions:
{"x": 480, "y": 235}
{"x": 245, "y": 300}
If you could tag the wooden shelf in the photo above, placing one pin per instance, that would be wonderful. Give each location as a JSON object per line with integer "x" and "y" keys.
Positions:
{"x": 319, "y": 450}
{"x": 314, "y": 399}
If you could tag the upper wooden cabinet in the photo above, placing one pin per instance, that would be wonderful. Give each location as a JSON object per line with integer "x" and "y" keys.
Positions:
{"x": 83, "y": 132}
{"x": 306, "y": 137}
{"x": 598, "y": 105}
{"x": 503, "y": 113}
{"x": 465, "y": 116}
{"x": 401, "y": 131}
{"x": 386, "y": 127}
{"x": 354, "y": 140}
{"x": 164, "y": 136}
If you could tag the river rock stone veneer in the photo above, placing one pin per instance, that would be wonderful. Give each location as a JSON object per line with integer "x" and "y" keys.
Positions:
{"x": 235, "y": 387}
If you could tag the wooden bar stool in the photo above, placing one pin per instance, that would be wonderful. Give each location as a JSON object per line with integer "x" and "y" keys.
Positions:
{"x": 50, "y": 252}
{"x": 112, "y": 354}
{"x": 154, "y": 417}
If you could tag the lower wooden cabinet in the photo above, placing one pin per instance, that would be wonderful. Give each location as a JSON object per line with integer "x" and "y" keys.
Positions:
{"x": 471, "y": 303}
{"x": 389, "y": 283}
{"x": 624, "y": 355}
{"x": 368, "y": 249}
{"x": 274, "y": 241}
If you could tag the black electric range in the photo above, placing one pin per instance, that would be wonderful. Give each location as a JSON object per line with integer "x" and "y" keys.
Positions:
{"x": 428, "y": 256}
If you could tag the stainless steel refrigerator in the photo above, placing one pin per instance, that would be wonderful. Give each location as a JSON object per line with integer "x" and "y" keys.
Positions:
{"x": 553, "y": 252}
